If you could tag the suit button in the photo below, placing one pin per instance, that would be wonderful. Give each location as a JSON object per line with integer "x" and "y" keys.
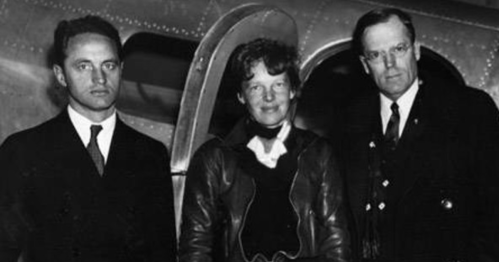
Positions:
{"x": 447, "y": 204}
{"x": 76, "y": 252}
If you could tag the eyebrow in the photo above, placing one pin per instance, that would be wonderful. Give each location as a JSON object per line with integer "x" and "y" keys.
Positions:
{"x": 85, "y": 60}
{"x": 401, "y": 43}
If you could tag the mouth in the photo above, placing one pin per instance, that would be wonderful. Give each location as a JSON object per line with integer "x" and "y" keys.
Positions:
{"x": 100, "y": 92}
{"x": 392, "y": 77}
{"x": 269, "y": 109}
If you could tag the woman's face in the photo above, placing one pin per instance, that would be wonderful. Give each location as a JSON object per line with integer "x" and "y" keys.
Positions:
{"x": 267, "y": 97}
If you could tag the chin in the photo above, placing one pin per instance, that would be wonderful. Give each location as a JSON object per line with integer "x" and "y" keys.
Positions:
{"x": 271, "y": 124}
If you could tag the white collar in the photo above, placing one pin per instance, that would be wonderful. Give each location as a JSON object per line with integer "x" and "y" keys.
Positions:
{"x": 82, "y": 126}
{"x": 404, "y": 102}
{"x": 278, "y": 149}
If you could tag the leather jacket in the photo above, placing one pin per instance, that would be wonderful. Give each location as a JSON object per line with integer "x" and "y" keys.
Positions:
{"x": 218, "y": 195}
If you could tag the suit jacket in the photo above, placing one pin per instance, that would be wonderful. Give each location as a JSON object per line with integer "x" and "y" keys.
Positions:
{"x": 54, "y": 205}
{"x": 441, "y": 203}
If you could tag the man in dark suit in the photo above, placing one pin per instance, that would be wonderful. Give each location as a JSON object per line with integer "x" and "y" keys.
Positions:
{"x": 83, "y": 186}
{"x": 420, "y": 156}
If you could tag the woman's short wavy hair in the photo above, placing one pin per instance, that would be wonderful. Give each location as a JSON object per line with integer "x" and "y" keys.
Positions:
{"x": 278, "y": 58}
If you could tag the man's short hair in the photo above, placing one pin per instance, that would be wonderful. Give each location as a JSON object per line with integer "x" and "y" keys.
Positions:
{"x": 278, "y": 58}
{"x": 378, "y": 16}
{"x": 67, "y": 29}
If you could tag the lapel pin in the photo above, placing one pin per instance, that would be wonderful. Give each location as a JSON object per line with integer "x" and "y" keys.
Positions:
{"x": 446, "y": 204}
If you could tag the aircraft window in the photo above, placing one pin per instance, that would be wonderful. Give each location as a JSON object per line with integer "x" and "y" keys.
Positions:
{"x": 334, "y": 83}
{"x": 154, "y": 73}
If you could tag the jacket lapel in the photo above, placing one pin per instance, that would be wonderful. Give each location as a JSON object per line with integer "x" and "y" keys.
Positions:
{"x": 120, "y": 158}
{"x": 411, "y": 156}
{"x": 65, "y": 164}
{"x": 66, "y": 146}
{"x": 363, "y": 138}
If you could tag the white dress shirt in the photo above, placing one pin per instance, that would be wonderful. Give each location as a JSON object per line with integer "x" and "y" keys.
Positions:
{"x": 405, "y": 104}
{"x": 82, "y": 126}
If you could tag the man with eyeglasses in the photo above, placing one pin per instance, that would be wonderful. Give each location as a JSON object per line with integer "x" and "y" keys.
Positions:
{"x": 419, "y": 155}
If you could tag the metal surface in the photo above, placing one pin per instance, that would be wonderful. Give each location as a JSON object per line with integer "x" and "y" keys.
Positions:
{"x": 465, "y": 36}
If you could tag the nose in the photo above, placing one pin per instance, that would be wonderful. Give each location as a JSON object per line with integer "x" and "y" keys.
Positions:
{"x": 98, "y": 76}
{"x": 389, "y": 60}
{"x": 268, "y": 94}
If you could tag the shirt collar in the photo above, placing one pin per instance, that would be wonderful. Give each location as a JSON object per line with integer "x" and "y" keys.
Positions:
{"x": 82, "y": 126}
{"x": 278, "y": 148}
{"x": 404, "y": 102}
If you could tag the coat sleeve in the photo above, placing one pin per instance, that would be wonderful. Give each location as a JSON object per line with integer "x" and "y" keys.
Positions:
{"x": 158, "y": 207}
{"x": 12, "y": 228}
{"x": 333, "y": 239}
{"x": 199, "y": 212}
{"x": 485, "y": 238}
{"x": 336, "y": 244}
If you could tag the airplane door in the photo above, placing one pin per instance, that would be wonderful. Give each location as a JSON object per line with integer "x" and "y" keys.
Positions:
{"x": 240, "y": 25}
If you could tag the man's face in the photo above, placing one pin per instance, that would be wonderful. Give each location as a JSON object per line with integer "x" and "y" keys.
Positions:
{"x": 267, "y": 97}
{"x": 390, "y": 58}
{"x": 92, "y": 74}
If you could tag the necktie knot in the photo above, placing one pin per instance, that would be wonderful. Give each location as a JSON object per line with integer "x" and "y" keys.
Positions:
{"x": 395, "y": 108}
{"x": 94, "y": 131}
{"x": 93, "y": 148}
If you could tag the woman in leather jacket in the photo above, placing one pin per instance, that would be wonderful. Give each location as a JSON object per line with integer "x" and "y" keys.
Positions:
{"x": 268, "y": 191}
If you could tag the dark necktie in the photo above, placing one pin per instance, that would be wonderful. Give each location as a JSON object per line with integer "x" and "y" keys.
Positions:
{"x": 377, "y": 192}
{"x": 392, "y": 129}
{"x": 93, "y": 148}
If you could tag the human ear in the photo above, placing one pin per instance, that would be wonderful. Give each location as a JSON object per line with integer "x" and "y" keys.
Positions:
{"x": 59, "y": 75}
{"x": 417, "y": 50}
{"x": 364, "y": 64}
{"x": 241, "y": 98}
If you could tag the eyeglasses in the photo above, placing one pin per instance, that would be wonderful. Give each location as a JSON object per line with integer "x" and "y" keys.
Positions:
{"x": 397, "y": 51}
